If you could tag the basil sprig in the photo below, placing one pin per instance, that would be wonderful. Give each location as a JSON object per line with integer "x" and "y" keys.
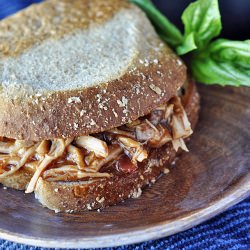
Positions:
{"x": 225, "y": 62}
{"x": 168, "y": 31}
{"x": 212, "y": 61}
{"x": 202, "y": 22}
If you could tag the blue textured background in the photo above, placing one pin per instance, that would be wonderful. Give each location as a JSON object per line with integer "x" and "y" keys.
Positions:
{"x": 230, "y": 230}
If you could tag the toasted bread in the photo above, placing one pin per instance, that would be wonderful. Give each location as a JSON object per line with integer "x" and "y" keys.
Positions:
{"x": 71, "y": 68}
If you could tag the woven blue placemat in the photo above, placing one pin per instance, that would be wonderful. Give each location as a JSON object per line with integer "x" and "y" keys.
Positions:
{"x": 230, "y": 230}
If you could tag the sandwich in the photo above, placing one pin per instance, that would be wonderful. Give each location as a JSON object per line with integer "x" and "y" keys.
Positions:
{"x": 94, "y": 105}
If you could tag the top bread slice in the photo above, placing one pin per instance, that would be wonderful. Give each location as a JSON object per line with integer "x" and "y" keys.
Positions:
{"x": 76, "y": 67}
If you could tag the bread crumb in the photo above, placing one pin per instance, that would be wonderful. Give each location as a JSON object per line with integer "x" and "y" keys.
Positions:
{"x": 123, "y": 102}
{"x": 74, "y": 99}
{"x": 75, "y": 126}
{"x": 89, "y": 207}
{"x": 82, "y": 112}
{"x": 42, "y": 108}
{"x": 100, "y": 200}
{"x": 56, "y": 190}
{"x": 146, "y": 64}
{"x": 99, "y": 97}
{"x": 143, "y": 76}
{"x": 92, "y": 122}
{"x": 115, "y": 114}
{"x": 156, "y": 61}
{"x": 137, "y": 193}
{"x": 156, "y": 89}
{"x": 136, "y": 88}
{"x": 36, "y": 101}
{"x": 159, "y": 73}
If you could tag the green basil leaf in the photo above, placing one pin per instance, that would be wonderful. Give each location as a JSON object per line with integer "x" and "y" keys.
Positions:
{"x": 188, "y": 45}
{"x": 165, "y": 28}
{"x": 202, "y": 18}
{"x": 237, "y": 52}
{"x": 208, "y": 70}
{"x": 221, "y": 62}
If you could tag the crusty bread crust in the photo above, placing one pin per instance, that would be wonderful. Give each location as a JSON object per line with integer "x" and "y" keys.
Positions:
{"x": 96, "y": 109}
{"x": 79, "y": 196}
{"x": 153, "y": 76}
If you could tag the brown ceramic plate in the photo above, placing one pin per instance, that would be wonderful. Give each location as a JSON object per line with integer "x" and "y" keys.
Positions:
{"x": 206, "y": 181}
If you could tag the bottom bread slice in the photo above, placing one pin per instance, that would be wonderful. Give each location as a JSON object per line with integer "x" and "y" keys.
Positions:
{"x": 100, "y": 193}
{"x": 79, "y": 196}
{"x": 19, "y": 180}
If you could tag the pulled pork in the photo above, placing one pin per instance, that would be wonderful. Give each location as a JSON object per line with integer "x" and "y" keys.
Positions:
{"x": 83, "y": 157}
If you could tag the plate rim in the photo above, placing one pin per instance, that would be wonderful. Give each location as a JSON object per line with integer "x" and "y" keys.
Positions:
{"x": 234, "y": 195}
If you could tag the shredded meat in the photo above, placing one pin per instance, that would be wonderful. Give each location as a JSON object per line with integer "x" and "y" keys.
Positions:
{"x": 83, "y": 157}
